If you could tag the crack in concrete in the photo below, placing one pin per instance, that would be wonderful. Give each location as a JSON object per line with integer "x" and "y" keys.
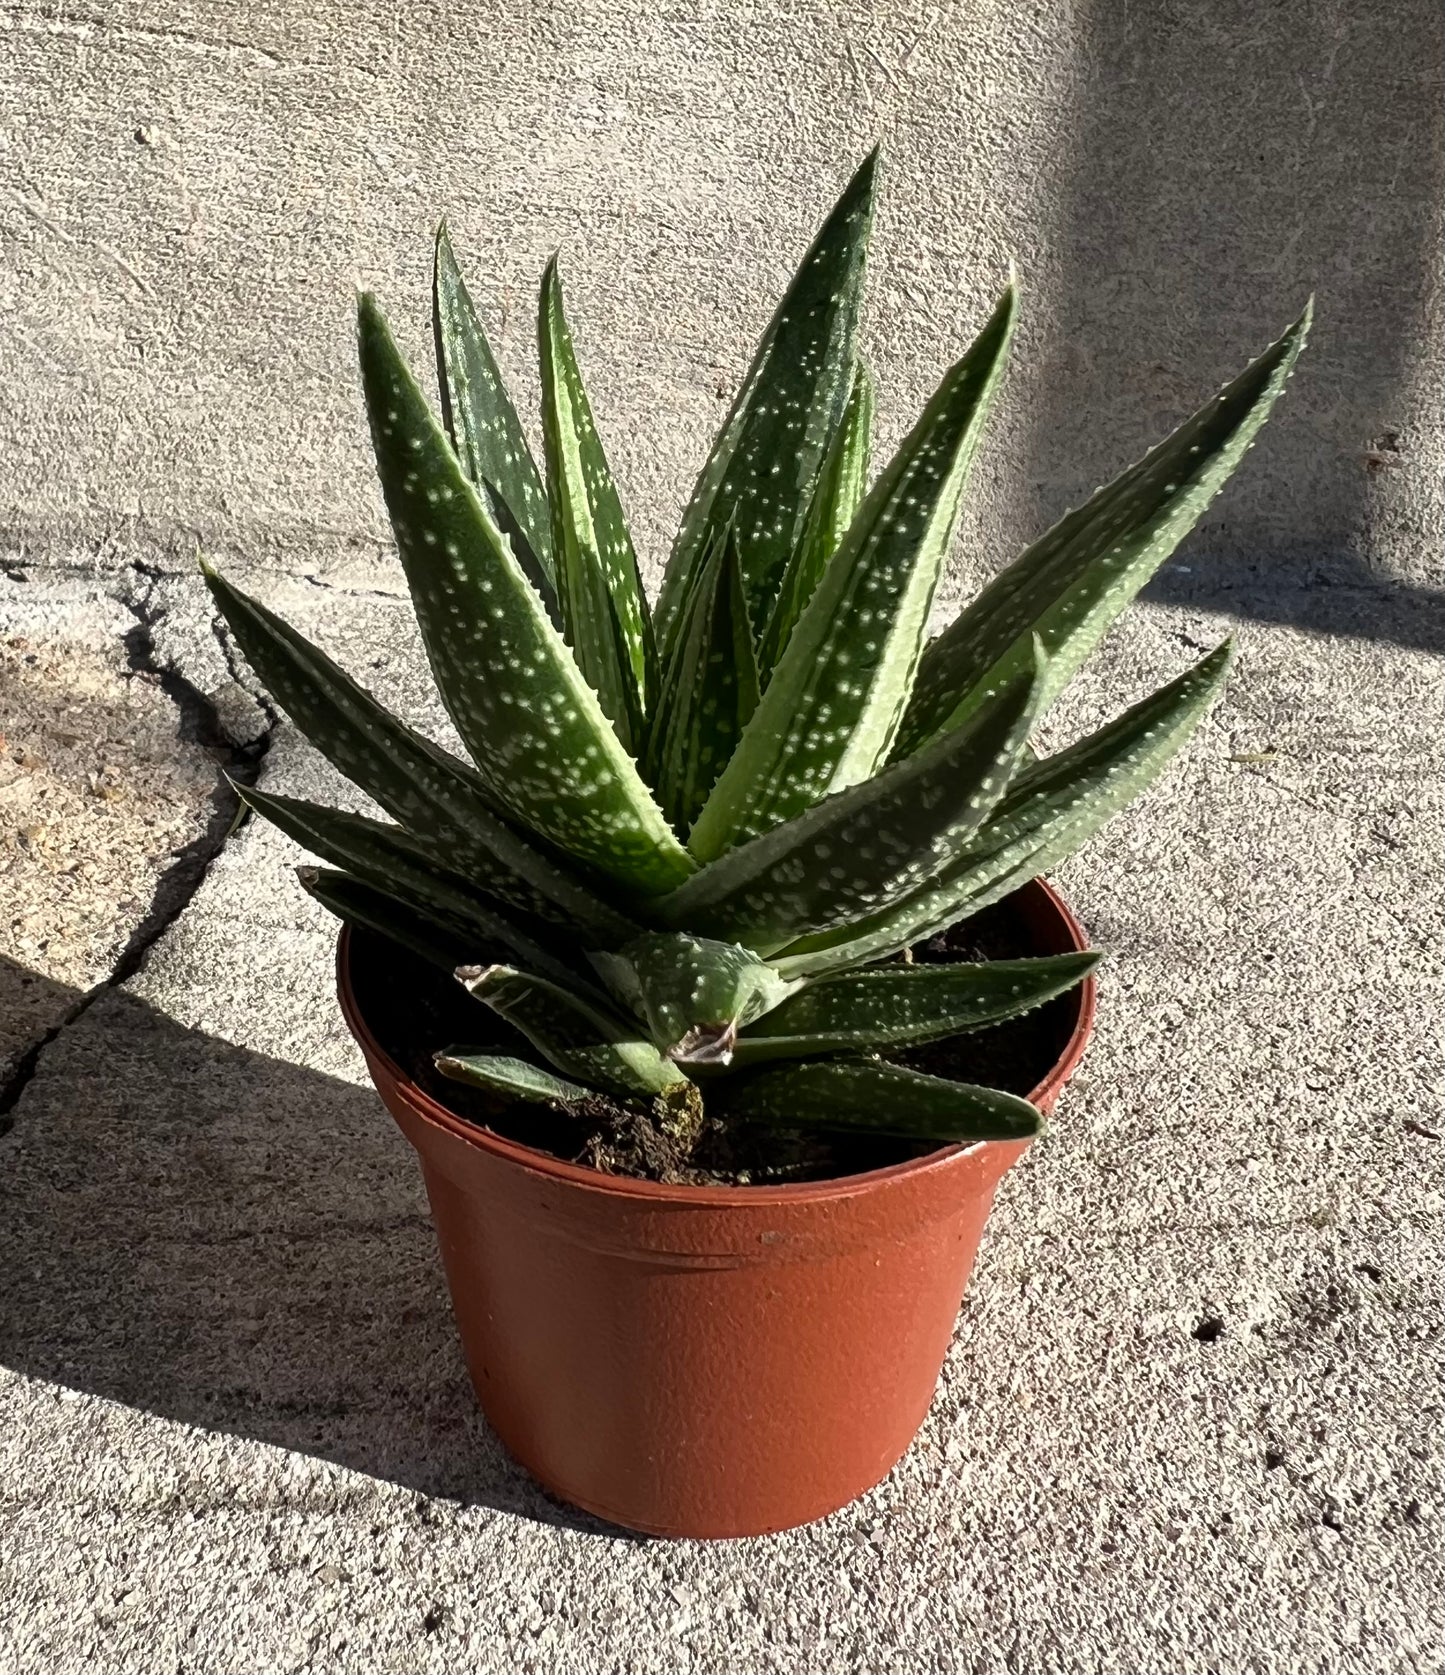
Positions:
{"x": 240, "y": 672}
{"x": 176, "y": 886}
{"x": 313, "y": 580}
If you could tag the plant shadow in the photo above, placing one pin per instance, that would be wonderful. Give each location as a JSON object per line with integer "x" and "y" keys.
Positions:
{"x": 1295, "y": 586}
{"x": 241, "y": 1244}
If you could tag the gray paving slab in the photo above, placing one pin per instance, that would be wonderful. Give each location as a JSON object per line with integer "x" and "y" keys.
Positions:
{"x": 108, "y": 789}
{"x": 1192, "y": 1411}
{"x": 1191, "y": 1418}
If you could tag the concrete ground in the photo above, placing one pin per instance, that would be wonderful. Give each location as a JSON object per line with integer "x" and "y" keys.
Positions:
{"x": 1192, "y": 1418}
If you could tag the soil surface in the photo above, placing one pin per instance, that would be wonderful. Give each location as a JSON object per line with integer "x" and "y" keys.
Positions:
{"x": 415, "y": 1010}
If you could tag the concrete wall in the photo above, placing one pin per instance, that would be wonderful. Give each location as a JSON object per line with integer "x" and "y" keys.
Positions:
{"x": 190, "y": 192}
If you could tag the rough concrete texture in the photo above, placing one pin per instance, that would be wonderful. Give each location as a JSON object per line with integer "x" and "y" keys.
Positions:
{"x": 1192, "y": 1416}
{"x": 105, "y": 789}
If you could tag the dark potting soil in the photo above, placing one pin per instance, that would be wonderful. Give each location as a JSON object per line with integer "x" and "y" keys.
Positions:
{"x": 415, "y": 1010}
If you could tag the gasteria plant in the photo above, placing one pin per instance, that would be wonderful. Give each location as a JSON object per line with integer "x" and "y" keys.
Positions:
{"x": 692, "y": 843}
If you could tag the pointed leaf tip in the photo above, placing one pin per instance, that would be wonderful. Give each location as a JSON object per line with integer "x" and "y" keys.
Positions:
{"x": 764, "y": 463}
{"x": 833, "y": 704}
{"x": 510, "y": 1077}
{"x": 580, "y": 1036}
{"x": 1051, "y": 808}
{"x": 869, "y": 1094}
{"x": 604, "y": 609}
{"x": 482, "y": 423}
{"x": 479, "y": 614}
{"x": 1071, "y": 584}
{"x": 415, "y": 781}
{"x": 897, "y": 1005}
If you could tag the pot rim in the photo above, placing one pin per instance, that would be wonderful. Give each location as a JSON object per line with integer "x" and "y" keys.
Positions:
{"x": 576, "y": 1175}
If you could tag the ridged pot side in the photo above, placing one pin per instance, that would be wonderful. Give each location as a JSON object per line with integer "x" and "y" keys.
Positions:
{"x": 707, "y": 1361}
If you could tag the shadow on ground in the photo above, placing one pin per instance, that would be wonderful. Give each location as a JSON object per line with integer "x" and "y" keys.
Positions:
{"x": 1294, "y": 586}
{"x": 243, "y": 1245}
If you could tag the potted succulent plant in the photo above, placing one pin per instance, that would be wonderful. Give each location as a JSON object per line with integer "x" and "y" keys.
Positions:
{"x": 759, "y": 991}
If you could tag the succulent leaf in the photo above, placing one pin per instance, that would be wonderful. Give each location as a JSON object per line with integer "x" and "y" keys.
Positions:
{"x": 509, "y": 1077}
{"x": 1069, "y": 586}
{"x": 441, "y": 943}
{"x": 1052, "y": 808}
{"x": 760, "y": 473}
{"x": 693, "y": 993}
{"x": 390, "y": 859}
{"x": 604, "y": 610}
{"x": 830, "y": 711}
{"x": 484, "y": 427}
{"x": 582, "y": 1038}
{"x": 841, "y": 486}
{"x": 542, "y": 743}
{"x": 414, "y": 780}
{"x": 882, "y": 1099}
{"x": 709, "y": 688}
{"x": 867, "y": 847}
{"x": 897, "y": 1004}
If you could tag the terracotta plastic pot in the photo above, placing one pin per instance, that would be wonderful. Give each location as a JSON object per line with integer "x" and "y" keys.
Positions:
{"x": 707, "y": 1361}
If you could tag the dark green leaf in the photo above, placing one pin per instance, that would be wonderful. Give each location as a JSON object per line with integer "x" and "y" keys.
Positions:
{"x": 841, "y": 487}
{"x": 414, "y": 781}
{"x": 881, "y": 1099}
{"x": 386, "y": 858}
{"x": 693, "y": 994}
{"x": 709, "y": 689}
{"x": 541, "y": 742}
{"x": 441, "y": 942}
{"x": 511, "y": 1078}
{"x": 581, "y": 1037}
{"x": 1052, "y": 807}
{"x": 761, "y": 471}
{"x": 1069, "y": 586}
{"x": 866, "y": 847}
{"x": 484, "y": 426}
{"x": 896, "y": 1004}
{"x": 604, "y": 610}
{"x": 830, "y": 711}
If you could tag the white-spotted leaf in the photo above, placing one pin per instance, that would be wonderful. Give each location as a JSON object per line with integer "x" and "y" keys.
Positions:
{"x": 1052, "y": 807}
{"x": 387, "y": 858}
{"x": 484, "y": 426}
{"x": 709, "y": 688}
{"x": 535, "y": 729}
{"x": 841, "y": 486}
{"x": 867, "y": 847}
{"x": 762, "y": 468}
{"x": 878, "y": 1098}
{"x": 581, "y": 1037}
{"x": 604, "y": 610}
{"x": 896, "y": 1005}
{"x": 414, "y": 780}
{"x": 833, "y": 704}
{"x": 1070, "y": 585}
{"x": 694, "y": 994}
